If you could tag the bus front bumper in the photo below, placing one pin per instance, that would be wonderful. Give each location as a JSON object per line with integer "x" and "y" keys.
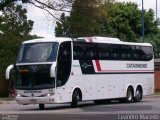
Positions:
{"x": 35, "y": 100}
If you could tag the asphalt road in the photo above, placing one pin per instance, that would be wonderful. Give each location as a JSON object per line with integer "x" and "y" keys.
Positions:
{"x": 147, "y": 109}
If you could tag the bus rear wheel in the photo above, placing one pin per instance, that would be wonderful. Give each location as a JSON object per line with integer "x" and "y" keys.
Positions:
{"x": 138, "y": 95}
{"x": 75, "y": 98}
{"x": 41, "y": 106}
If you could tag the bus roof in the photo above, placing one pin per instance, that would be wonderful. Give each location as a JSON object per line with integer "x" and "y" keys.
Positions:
{"x": 95, "y": 39}
{"x": 54, "y": 39}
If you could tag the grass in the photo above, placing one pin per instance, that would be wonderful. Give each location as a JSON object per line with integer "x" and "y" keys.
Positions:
{"x": 6, "y": 99}
{"x": 156, "y": 93}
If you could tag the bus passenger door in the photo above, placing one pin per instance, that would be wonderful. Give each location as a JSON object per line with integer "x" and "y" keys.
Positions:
{"x": 63, "y": 70}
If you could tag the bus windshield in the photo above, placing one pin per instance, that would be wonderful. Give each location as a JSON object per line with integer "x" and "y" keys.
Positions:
{"x": 34, "y": 77}
{"x": 38, "y": 52}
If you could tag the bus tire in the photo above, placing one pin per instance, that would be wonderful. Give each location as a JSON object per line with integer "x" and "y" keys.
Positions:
{"x": 75, "y": 98}
{"x": 41, "y": 106}
{"x": 138, "y": 95}
{"x": 129, "y": 96}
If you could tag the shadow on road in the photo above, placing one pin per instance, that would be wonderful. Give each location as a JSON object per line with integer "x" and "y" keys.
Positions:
{"x": 92, "y": 107}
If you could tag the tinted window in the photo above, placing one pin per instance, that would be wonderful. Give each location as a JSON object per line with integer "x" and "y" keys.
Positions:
{"x": 103, "y": 51}
{"x": 78, "y": 51}
{"x": 84, "y": 51}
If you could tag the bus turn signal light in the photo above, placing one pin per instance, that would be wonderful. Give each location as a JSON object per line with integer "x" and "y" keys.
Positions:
{"x": 23, "y": 71}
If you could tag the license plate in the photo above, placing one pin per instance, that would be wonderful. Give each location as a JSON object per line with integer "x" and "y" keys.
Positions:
{"x": 33, "y": 100}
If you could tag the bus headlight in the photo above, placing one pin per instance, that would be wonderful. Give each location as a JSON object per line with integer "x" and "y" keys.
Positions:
{"x": 50, "y": 94}
{"x": 18, "y": 95}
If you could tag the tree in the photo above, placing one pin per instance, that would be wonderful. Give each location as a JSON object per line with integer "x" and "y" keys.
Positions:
{"x": 14, "y": 21}
{"x": 109, "y": 18}
{"x": 14, "y": 29}
{"x": 4, "y": 3}
{"x": 154, "y": 39}
{"x": 62, "y": 28}
{"x": 124, "y": 22}
{"x": 83, "y": 20}
{"x": 115, "y": 19}
{"x": 51, "y": 6}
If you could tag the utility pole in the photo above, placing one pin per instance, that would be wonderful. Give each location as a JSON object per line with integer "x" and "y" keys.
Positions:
{"x": 156, "y": 10}
{"x": 142, "y": 22}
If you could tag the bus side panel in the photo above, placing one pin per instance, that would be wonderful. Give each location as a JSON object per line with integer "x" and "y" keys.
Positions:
{"x": 148, "y": 84}
{"x": 146, "y": 81}
{"x": 76, "y": 80}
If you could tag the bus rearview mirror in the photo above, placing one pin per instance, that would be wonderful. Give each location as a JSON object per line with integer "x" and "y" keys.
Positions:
{"x": 9, "y": 68}
{"x": 53, "y": 70}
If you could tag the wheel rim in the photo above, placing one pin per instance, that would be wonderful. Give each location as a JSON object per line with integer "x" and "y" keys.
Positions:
{"x": 129, "y": 95}
{"x": 78, "y": 98}
{"x": 138, "y": 94}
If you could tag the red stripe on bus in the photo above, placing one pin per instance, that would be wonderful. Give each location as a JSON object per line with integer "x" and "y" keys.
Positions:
{"x": 127, "y": 71}
{"x": 98, "y": 65}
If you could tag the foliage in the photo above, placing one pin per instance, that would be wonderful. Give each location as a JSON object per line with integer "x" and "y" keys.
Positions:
{"x": 14, "y": 21}
{"x": 154, "y": 39}
{"x": 109, "y": 18}
{"x": 124, "y": 22}
{"x": 62, "y": 28}
{"x": 14, "y": 29}
{"x": 116, "y": 19}
{"x": 84, "y": 15}
{"x": 4, "y": 3}
{"x": 83, "y": 19}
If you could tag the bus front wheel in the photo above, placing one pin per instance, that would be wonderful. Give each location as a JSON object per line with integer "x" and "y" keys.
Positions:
{"x": 41, "y": 106}
{"x": 75, "y": 98}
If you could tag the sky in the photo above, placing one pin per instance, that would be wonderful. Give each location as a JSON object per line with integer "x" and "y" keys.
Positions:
{"x": 44, "y": 24}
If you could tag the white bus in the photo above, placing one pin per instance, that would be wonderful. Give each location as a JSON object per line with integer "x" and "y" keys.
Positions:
{"x": 62, "y": 70}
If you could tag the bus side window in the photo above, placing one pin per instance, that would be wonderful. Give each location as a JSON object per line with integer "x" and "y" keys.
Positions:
{"x": 78, "y": 52}
{"x": 103, "y": 55}
{"x": 103, "y": 51}
{"x": 113, "y": 56}
{"x": 90, "y": 52}
{"x": 134, "y": 56}
{"x": 64, "y": 54}
{"x": 148, "y": 53}
{"x": 89, "y": 55}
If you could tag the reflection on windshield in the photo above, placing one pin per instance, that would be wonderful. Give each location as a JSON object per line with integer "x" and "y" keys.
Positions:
{"x": 38, "y": 52}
